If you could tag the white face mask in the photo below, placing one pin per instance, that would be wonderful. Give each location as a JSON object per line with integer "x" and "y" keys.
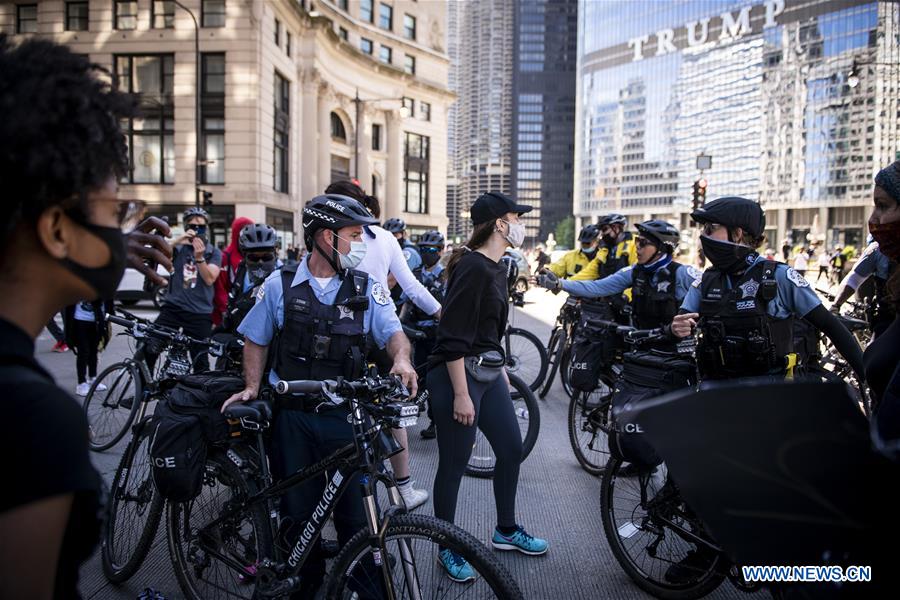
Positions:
{"x": 356, "y": 255}
{"x": 516, "y": 234}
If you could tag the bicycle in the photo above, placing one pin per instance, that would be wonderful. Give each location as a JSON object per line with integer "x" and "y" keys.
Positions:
{"x": 123, "y": 389}
{"x": 560, "y": 343}
{"x": 526, "y": 356}
{"x": 223, "y": 541}
{"x": 135, "y": 507}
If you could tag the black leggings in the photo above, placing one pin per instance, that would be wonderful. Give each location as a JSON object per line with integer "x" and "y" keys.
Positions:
{"x": 87, "y": 339}
{"x": 495, "y": 416}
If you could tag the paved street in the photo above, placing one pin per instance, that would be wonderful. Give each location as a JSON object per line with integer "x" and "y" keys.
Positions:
{"x": 556, "y": 500}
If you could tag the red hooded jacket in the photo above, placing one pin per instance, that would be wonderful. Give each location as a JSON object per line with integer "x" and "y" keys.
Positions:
{"x": 231, "y": 258}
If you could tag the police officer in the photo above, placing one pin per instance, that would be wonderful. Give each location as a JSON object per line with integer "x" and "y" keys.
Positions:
{"x": 658, "y": 283}
{"x": 410, "y": 252}
{"x": 873, "y": 263}
{"x": 574, "y": 261}
{"x": 257, "y": 247}
{"x": 321, "y": 310}
{"x": 745, "y": 304}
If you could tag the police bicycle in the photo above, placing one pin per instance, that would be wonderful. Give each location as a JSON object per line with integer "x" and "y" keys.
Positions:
{"x": 559, "y": 347}
{"x": 223, "y": 542}
{"x": 134, "y": 507}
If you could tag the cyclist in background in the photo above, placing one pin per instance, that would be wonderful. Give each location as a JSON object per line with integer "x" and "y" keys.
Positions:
{"x": 256, "y": 243}
{"x": 873, "y": 263}
{"x": 574, "y": 261}
{"x": 410, "y": 252}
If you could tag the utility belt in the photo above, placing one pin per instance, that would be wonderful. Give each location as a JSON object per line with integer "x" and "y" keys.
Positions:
{"x": 751, "y": 353}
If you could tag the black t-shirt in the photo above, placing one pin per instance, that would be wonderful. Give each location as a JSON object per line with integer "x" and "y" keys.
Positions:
{"x": 474, "y": 312}
{"x": 46, "y": 450}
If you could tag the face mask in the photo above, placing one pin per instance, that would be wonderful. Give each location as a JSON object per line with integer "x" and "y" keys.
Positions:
{"x": 260, "y": 270}
{"x": 430, "y": 258}
{"x": 356, "y": 255}
{"x": 103, "y": 280}
{"x": 516, "y": 234}
{"x": 609, "y": 239}
{"x": 888, "y": 237}
{"x": 727, "y": 256}
{"x": 589, "y": 252}
{"x": 401, "y": 241}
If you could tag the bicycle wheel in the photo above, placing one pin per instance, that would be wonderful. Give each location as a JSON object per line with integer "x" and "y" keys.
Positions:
{"x": 133, "y": 512}
{"x": 197, "y": 551}
{"x": 589, "y": 423}
{"x": 528, "y": 414}
{"x": 554, "y": 353}
{"x": 639, "y": 513}
{"x": 111, "y": 404}
{"x": 565, "y": 371}
{"x": 525, "y": 356}
{"x": 411, "y": 547}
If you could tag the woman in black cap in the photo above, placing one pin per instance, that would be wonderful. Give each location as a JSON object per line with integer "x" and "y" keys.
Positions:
{"x": 466, "y": 380}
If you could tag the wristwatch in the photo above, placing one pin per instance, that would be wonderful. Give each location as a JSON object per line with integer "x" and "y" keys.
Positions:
{"x": 199, "y": 261}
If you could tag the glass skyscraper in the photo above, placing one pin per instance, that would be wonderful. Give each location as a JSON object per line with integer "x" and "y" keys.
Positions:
{"x": 795, "y": 101}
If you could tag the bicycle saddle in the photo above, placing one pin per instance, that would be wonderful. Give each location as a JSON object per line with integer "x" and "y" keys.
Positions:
{"x": 256, "y": 410}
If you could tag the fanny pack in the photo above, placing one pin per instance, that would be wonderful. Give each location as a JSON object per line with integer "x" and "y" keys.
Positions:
{"x": 485, "y": 367}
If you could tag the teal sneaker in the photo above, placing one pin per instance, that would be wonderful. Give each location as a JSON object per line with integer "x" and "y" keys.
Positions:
{"x": 519, "y": 540}
{"x": 456, "y": 566}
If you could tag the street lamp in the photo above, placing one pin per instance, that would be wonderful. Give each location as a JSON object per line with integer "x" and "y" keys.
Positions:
{"x": 404, "y": 112}
{"x": 196, "y": 99}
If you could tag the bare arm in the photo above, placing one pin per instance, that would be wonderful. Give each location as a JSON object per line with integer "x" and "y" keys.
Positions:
{"x": 208, "y": 273}
{"x": 254, "y": 364}
{"x": 32, "y": 537}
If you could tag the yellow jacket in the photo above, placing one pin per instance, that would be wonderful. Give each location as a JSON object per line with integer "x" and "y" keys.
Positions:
{"x": 571, "y": 263}
{"x": 625, "y": 250}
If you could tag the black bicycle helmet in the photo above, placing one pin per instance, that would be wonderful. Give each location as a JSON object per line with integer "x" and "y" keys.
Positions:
{"x": 196, "y": 211}
{"x": 395, "y": 225}
{"x": 733, "y": 211}
{"x": 613, "y": 219}
{"x": 589, "y": 233}
{"x": 257, "y": 236}
{"x": 512, "y": 271}
{"x": 432, "y": 238}
{"x": 334, "y": 212}
{"x": 662, "y": 232}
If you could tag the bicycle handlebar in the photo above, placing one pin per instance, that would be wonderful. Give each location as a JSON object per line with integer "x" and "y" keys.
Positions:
{"x": 302, "y": 386}
{"x": 140, "y": 326}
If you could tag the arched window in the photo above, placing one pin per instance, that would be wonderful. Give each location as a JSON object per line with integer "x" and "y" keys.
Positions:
{"x": 337, "y": 128}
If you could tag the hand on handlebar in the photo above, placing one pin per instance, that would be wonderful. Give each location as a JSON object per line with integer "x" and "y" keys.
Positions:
{"x": 407, "y": 374}
{"x": 244, "y": 395}
{"x": 683, "y": 325}
{"x": 549, "y": 280}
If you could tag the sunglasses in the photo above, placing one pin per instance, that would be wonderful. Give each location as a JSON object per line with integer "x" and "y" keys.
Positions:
{"x": 255, "y": 258}
{"x": 710, "y": 228}
{"x": 429, "y": 249}
{"x": 642, "y": 242}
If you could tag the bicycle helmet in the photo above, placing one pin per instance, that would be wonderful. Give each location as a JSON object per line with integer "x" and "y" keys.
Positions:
{"x": 512, "y": 271}
{"x": 612, "y": 219}
{"x": 662, "y": 232}
{"x": 732, "y": 212}
{"x": 257, "y": 236}
{"x": 432, "y": 238}
{"x": 589, "y": 233}
{"x": 332, "y": 211}
{"x": 196, "y": 211}
{"x": 395, "y": 225}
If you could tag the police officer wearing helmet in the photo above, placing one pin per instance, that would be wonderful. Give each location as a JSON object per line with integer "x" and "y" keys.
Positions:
{"x": 257, "y": 246}
{"x": 410, "y": 252}
{"x": 321, "y": 310}
{"x": 658, "y": 283}
{"x": 574, "y": 261}
{"x": 745, "y": 305}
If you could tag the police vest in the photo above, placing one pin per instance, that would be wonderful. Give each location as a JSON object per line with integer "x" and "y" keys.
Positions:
{"x": 413, "y": 314}
{"x": 654, "y": 305}
{"x": 239, "y": 301}
{"x": 737, "y": 336}
{"x": 616, "y": 258}
{"x": 322, "y": 341}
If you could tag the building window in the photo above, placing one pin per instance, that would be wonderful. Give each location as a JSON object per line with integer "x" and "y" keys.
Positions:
{"x": 385, "y": 54}
{"x": 76, "y": 16}
{"x": 409, "y": 27}
{"x": 151, "y": 137}
{"x": 338, "y": 132}
{"x": 374, "y": 190}
{"x": 415, "y": 173}
{"x": 163, "y": 15}
{"x": 212, "y": 117}
{"x": 376, "y": 136}
{"x": 282, "y": 129}
{"x": 410, "y": 105}
{"x": 213, "y": 13}
{"x": 26, "y": 18}
{"x": 342, "y": 4}
{"x": 409, "y": 64}
{"x": 277, "y": 33}
{"x": 126, "y": 15}
{"x": 343, "y": 34}
{"x": 287, "y": 43}
{"x": 386, "y": 16}
{"x": 425, "y": 111}
{"x": 366, "y": 12}
{"x": 366, "y": 45}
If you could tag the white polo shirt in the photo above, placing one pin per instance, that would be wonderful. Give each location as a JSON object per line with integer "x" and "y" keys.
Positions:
{"x": 383, "y": 256}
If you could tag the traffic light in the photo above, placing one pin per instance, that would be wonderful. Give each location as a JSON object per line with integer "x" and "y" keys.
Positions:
{"x": 207, "y": 198}
{"x": 699, "y": 193}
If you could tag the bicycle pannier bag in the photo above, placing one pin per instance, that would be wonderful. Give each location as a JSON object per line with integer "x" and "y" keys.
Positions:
{"x": 592, "y": 350}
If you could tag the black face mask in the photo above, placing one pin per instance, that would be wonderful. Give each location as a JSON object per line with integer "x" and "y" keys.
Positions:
{"x": 401, "y": 241}
{"x": 258, "y": 271}
{"x": 610, "y": 239}
{"x": 103, "y": 280}
{"x": 727, "y": 256}
{"x": 430, "y": 258}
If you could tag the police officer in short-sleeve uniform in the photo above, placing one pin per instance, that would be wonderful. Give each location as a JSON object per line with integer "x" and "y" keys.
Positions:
{"x": 873, "y": 263}
{"x": 315, "y": 315}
